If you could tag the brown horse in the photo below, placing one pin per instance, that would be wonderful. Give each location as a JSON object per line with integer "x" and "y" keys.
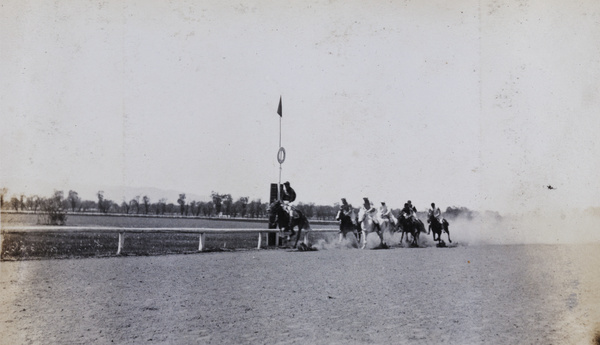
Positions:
{"x": 411, "y": 226}
{"x": 279, "y": 217}
{"x": 437, "y": 228}
{"x": 348, "y": 223}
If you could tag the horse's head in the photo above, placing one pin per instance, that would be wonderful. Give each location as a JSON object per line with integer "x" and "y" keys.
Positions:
{"x": 368, "y": 216}
{"x": 339, "y": 214}
{"x": 361, "y": 214}
{"x": 346, "y": 215}
{"x": 352, "y": 214}
{"x": 273, "y": 210}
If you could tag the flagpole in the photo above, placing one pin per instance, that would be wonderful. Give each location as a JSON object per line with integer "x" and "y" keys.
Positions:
{"x": 279, "y": 186}
{"x": 281, "y": 153}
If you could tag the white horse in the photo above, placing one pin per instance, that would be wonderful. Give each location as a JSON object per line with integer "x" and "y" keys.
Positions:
{"x": 369, "y": 222}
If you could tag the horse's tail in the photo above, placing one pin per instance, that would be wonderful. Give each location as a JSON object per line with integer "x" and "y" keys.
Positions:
{"x": 422, "y": 226}
{"x": 306, "y": 223}
{"x": 393, "y": 219}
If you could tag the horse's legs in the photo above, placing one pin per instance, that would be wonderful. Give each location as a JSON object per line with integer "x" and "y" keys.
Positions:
{"x": 380, "y": 233}
{"x": 289, "y": 227}
{"x": 363, "y": 239}
{"x": 448, "y": 232}
{"x": 298, "y": 236}
{"x": 437, "y": 231}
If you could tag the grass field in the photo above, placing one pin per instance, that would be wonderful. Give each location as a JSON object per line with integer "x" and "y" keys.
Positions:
{"x": 48, "y": 244}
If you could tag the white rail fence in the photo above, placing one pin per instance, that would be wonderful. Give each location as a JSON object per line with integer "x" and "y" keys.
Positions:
{"x": 202, "y": 232}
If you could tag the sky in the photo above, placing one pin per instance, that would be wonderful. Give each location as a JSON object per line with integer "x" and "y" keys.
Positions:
{"x": 480, "y": 104}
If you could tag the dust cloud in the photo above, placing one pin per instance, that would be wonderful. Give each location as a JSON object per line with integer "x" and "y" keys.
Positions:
{"x": 529, "y": 228}
{"x": 490, "y": 228}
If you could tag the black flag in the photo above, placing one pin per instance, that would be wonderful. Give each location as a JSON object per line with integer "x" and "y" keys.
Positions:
{"x": 279, "y": 111}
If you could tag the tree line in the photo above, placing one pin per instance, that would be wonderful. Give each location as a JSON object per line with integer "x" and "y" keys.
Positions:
{"x": 220, "y": 205}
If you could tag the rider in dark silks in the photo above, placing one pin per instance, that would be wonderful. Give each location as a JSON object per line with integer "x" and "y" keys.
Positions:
{"x": 288, "y": 195}
{"x": 410, "y": 223}
{"x": 346, "y": 210}
{"x": 409, "y": 212}
{"x": 347, "y": 219}
{"x": 412, "y": 207}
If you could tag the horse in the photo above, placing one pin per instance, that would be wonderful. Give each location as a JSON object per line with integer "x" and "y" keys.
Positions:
{"x": 437, "y": 227}
{"x": 411, "y": 226}
{"x": 369, "y": 223}
{"x": 279, "y": 217}
{"x": 348, "y": 223}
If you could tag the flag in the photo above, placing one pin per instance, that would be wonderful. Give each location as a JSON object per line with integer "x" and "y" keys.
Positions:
{"x": 279, "y": 111}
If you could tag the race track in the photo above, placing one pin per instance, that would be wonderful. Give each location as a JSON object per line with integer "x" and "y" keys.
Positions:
{"x": 490, "y": 294}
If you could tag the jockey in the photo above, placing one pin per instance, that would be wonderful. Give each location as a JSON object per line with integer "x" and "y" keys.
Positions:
{"x": 385, "y": 213}
{"x": 288, "y": 195}
{"x": 383, "y": 209}
{"x": 346, "y": 210}
{"x": 409, "y": 211}
{"x": 435, "y": 212}
{"x": 370, "y": 211}
{"x": 368, "y": 207}
{"x": 411, "y": 206}
{"x": 345, "y": 207}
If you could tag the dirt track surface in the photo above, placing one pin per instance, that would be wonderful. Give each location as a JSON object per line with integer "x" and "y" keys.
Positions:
{"x": 522, "y": 294}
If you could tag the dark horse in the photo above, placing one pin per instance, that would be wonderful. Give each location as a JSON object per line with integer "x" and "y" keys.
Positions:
{"x": 281, "y": 218}
{"x": 348, "y": 223}
{"x": 412, "y": 227}
{"x": 437, "y": 228}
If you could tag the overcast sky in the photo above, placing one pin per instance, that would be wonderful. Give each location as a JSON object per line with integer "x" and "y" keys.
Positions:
{"x": 469, "y": 103}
